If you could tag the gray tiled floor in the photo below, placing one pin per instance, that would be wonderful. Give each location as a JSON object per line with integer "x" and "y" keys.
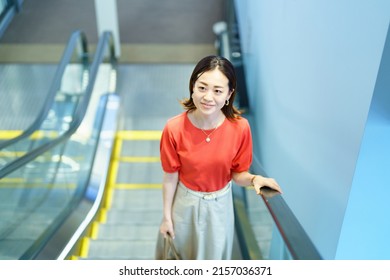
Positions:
{"x": 151, "y": 93}
{"x": 150, "y": 31}
{"x": 140, "y": 21}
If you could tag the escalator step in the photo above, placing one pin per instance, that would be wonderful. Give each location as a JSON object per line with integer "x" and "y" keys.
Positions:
{"x": 118, "y": 249}
{"x": 150, "y": 199}
{"x": 134, "y": 217}
{"x": 128, "y": 232}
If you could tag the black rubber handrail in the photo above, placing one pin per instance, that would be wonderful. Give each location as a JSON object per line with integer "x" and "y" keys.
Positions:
{"x": 9, "y": 6}
{"x": 294, "y": 236}
{"x": 17, "y": 4}
{"x": 5, "y": 10}
{"x": 76, "y": 40}
{"x": 105, "y": 41}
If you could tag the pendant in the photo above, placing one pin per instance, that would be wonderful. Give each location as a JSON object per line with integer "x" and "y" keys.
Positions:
{"x": 208, "y": 139}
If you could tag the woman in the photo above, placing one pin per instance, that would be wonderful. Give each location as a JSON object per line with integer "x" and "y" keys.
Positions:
{"x": 202, "y": 150}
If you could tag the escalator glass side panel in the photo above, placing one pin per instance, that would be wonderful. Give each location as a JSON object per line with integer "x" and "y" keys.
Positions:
{"x": 59, "y": 118}
{"x": 40, "y": 105}
{"x": 57, "y": 172}
{"x": 34, "y": 197}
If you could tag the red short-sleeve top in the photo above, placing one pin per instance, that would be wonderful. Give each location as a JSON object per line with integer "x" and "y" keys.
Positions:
{"x": 205, "y": 166}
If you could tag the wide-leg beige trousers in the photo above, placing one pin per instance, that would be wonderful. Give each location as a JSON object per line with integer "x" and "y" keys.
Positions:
{"x": 203, "y": 224}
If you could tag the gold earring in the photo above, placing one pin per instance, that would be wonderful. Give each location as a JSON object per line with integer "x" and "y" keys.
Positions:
{"x": 227, "y": 102}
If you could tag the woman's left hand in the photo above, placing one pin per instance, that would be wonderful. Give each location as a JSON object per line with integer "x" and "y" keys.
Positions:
{"x": 260, "y": 181}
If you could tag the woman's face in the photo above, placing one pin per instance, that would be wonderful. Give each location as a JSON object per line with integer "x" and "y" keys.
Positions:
{"x": 210, "y": 92}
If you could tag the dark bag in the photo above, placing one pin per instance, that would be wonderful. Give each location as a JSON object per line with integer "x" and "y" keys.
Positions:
{"x": 170, "y": 252}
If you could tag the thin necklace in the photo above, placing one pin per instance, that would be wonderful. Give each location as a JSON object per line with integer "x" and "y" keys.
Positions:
{"x": 208, "y": 139}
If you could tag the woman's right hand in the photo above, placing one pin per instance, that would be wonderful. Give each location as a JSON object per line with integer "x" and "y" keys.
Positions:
{"x": 170, "y": 181}
{"x": 166, "y": 228}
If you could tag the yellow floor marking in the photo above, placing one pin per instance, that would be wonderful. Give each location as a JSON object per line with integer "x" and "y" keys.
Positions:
{"x": 12, "y": 180}
{"x": 113, "y": 173}
{"x": 95, "y": 230}
{"x": 4, "y": 183}
{"x": 108, "y": 198}
{"x": 11, "y": 154}
{"x": 9, "y": 134}
{"x": 139, "y": 134}
{"x": 139, "y": 159}
{"x": 102, "y": 216}
{"x": 117, "y": 147}
{"x": 84, "y": 247}
{"x": 137, "y": 186}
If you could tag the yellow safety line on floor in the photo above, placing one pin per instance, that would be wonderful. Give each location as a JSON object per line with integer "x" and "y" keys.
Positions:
{"x": 11, "y": 154}
{"x": 5, "y": 183}
{"x": 13, "y": 180}
{"x": 124, "y": 186}
{"x": 122, "y": 134}
{"x": 9, "y": 134}
{"x": 103, "y": 216}
{"x": 113, "y": 172}
{"x": 84, "y": 247}
{"x": 139, "y": 134}
{"x": 139, "y": 159}
{"x": 94, "y": 230}
{"x": 109, "y": 197}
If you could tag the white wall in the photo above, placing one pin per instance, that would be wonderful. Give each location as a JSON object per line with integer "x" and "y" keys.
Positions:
{"x": 311, "y": 68}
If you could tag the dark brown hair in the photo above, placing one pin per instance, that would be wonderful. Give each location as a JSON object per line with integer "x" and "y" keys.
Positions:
{"x": 209, "y": 63}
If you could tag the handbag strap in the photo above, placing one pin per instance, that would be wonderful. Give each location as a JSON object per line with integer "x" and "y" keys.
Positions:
{"x": 168, "y": 244}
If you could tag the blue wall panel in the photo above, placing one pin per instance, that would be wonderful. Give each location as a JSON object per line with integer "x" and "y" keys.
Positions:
{"x": 366, "y": 229}
{"x": 311, "y": 71}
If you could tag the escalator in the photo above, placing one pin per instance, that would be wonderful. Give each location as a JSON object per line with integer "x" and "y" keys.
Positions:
{"x": 46, "y": 169}
{"x": 67, "y": 192}
{"x": 71, "y": 213}
{"x": 49, "y": 193}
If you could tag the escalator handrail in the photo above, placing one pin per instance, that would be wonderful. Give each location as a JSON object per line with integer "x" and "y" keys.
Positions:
{"x": 9, "y": 6}
{"x": 106, "y": 40}
{"x": 294, "y": 236}
{"x": 77, "y": 39}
